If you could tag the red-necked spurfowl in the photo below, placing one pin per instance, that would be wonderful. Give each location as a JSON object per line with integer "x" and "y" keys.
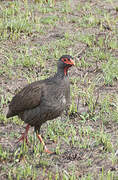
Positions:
{"x": 43, "y": 100}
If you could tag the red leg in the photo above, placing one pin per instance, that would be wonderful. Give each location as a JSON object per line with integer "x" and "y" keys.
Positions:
{"x": 24, "y": 135}
{"x": 45, "y": 148}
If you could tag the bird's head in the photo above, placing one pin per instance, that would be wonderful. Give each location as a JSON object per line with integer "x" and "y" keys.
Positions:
{"x": 65, "y": 62}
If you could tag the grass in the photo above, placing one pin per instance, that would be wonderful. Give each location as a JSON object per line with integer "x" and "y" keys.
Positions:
{"x": 33, "y": 35}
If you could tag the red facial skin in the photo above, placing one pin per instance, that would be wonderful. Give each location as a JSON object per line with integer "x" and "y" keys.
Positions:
{"x": 69, "y": 62}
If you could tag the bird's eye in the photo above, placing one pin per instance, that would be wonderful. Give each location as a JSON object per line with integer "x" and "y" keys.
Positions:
{"x": 64, "y": 60}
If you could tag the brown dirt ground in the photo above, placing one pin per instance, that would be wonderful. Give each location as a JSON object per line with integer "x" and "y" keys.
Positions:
{"x": 70, "y": 155}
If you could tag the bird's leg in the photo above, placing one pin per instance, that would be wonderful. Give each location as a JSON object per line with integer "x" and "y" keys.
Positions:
{"x": 24, "y": 135}
{"x": 45, "y": 148}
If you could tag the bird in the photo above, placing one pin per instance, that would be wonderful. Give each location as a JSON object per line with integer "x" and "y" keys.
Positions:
{"x": 43, "y": 100}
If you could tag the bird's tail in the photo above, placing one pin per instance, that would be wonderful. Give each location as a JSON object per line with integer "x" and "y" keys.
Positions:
{"x": 9, "y": 114}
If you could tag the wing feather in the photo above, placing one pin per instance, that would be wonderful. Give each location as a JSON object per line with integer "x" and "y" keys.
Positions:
{"x": 28, "y": 98}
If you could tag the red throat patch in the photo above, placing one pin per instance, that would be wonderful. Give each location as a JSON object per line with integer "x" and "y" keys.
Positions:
{"x": 65, "y": 70}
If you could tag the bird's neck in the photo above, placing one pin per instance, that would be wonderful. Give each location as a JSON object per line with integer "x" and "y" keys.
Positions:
{"x": 62, "y": 72}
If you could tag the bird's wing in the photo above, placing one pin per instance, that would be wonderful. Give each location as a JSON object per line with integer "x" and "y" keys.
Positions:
{"x": 28, "y": 98}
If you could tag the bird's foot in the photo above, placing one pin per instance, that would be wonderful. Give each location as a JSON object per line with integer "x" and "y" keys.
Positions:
{"x": 23, "y": 138}
{"x": 24, "y": 135}
{"x": 45, "y": 148}
{"x": 47, "y": 151}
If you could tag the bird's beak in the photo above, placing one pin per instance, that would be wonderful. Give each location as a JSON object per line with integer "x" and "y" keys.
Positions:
{"x": 72, "y": 62}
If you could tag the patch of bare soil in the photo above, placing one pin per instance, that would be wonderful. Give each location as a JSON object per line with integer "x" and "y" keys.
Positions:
{"x": 82, "y": 161}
